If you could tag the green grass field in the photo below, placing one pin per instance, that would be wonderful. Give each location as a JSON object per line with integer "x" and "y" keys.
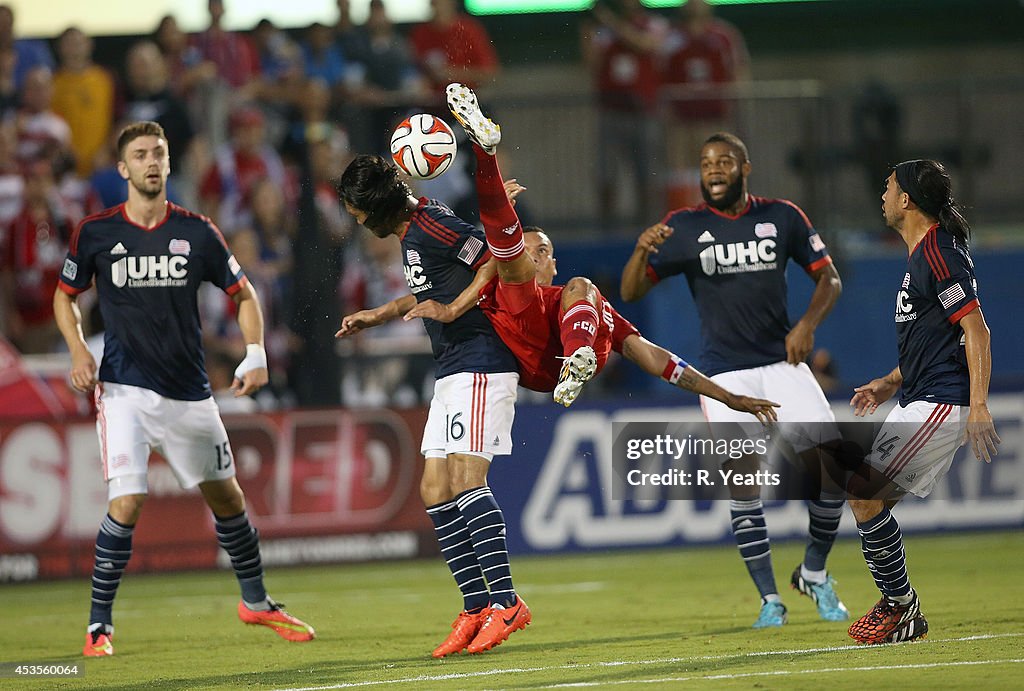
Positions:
{"x": 656, "y": 619}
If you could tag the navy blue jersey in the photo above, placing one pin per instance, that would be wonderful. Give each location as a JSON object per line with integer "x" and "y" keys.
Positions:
{"x": 938, "y": 289}
{"x": 736, "y": 269}
{"x": 147, "y": 280}
{"x": 441, "y": 254}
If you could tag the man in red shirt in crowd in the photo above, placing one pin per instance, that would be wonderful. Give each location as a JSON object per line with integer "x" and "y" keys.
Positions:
{"x": 453, "y": 46}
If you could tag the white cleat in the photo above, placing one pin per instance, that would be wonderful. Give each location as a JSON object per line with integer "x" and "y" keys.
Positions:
{"x": 577, "y": 370}
{"x": 463, "y": 105}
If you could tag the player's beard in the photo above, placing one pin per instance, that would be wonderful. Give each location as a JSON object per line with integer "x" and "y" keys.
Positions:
{"x": 733, "y": 193}
{"x": 147, "y": 189}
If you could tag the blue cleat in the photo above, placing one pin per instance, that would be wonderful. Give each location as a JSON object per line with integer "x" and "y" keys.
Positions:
{"x": 830, "y": 607}
{"x": 772, "y": 614}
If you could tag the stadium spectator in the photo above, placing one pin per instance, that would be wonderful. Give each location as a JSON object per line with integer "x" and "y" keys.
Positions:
{"x": 154, "y": 391}
{"x": 748, "y": 345}
{"x": 12, "y": 182}
{"x": 453, "y": 47}
{"x": 188, "y": 69}
{"x": 36, "y": 241}
{"x": 945, "y": 363}
{"x": 349, "y": 37}
{"x": 226, "y": 187}
{"x": 231, "y": 52}
{"x": 29, "y": 53}
{"x": 148, "y": 96}
{"x": 322, "y": 56}
{"x": 621, "y": 43}
{"x": 83, "y": 94}
{"x": 704, "y": 55}
{"x": 8, "y": 88}
{"x": 41, "y": 132}
{"x": 383, "y": 82}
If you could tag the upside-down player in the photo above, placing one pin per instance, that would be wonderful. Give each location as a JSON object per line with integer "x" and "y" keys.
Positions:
{"x": 541, "y": 323}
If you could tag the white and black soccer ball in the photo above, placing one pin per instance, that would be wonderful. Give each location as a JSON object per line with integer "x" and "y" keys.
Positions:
{"x": 423, "y": 146}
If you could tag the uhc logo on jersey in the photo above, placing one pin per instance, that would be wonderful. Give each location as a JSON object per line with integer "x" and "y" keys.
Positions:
{"x": 414, "y": 275}
{"x": 149, "y": 272}
{"x": 739, "y": 257}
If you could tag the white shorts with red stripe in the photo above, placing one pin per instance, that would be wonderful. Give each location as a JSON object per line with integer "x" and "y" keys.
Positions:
{"x": 132, "y": 421}
{"x": 916, "y": 444}
{"x": 471, "y": 413}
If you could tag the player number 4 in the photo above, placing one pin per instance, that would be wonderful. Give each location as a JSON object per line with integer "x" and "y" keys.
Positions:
{"x": 223, "y": 456}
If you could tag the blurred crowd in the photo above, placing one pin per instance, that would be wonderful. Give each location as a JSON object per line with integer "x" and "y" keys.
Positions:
{"x": 259, "y": 123}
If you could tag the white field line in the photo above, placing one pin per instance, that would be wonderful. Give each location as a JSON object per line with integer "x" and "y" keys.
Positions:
{"x": 783, "y": 673}
{"x": 668, "y": 660}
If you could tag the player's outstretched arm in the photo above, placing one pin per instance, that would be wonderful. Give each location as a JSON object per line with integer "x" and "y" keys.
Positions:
{"x": 69, "y": 321}
{"x": 867, "y": 398}
{"x": 251, "y": 375}
{"x": 467, "y": 299}
{"x": 364, "y": 319}
{"x": 827, "y": 289}
{"x": 655, "y": 360}
{"x": 635, "y": 282}
{"x": 981, "y": 430}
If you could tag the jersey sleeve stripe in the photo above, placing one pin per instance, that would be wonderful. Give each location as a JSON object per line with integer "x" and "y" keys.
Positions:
{"x": 70, "y": 290}
{"x": 446, "y": 235}
{"x": 964, "y": 311}
{"x": 106, "y": 213}
{"x": 237, "y": 286}
{"x": 939, "y": 259}
{"x": 926, "y": 251}
{"x": 651, "y": 276}
{"x": 815, "y": 265}
{"x": 483, "y": 259}
{"x": 797, "y": 209}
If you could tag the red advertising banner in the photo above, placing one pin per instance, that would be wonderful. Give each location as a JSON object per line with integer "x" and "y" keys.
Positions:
{"x": 321, "y": 486}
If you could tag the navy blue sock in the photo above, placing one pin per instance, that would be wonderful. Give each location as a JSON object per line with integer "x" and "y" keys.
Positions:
{"x": 751, "y": 533}
{"x": 824, "y": 515}
{"x": 242, "y": 543}
{"x": 457, "y": 550}
{"x": 113, "y": 550}
{"x": 486, "y": 526}
{"x": 882, "y": 543}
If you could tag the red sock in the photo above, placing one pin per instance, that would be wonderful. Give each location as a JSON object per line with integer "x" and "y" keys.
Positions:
{"x": 579, "y": 327}
{"x": 501, "y": 224}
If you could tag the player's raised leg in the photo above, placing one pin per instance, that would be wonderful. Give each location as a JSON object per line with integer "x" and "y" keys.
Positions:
{"x": 578, "y": 329}
{"x": 237, "y": 536}
{"x": 501, "y": 223}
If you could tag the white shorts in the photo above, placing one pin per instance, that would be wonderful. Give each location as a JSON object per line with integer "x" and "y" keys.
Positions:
{"x": 471, "y": 414}
{"x": 796, "y": 391}
{"x": 916, "y": 444}
{"x": 132, "y": 421}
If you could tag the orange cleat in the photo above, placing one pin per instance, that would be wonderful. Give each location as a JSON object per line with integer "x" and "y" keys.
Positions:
{"x": 500, "y": 624}
{"x": 99, "y": 643}
{"x": 890, "y": 622}
{"x": 283, "y": 624}
{"x": 464, "y": 629}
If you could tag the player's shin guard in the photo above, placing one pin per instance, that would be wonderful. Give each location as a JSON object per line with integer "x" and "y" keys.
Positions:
{"x": 882, "y": 543}
{"x": 113, "y": 550}
{"x": 751, "y": 533}
{"x": 242, "y": 543}
{"x": 457, "y": 550}
{"x": 824, "y": 516}
{"x": 486, "y": 526}
{"x": 578, "y": 327}
{"x": 501, "y": 224}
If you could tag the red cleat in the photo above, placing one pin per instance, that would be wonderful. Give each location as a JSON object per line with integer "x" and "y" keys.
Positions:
{"x": 500, "y": 624}
{"x": 98, "y": 643}
{"x": 890, "y": 622}
{"x": 464, "y": 629}
{"x": 283, "y": 624}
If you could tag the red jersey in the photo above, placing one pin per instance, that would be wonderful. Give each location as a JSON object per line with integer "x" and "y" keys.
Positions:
{"x": 628, "y": 79}
{"x": 713, "y": 58}
{"x": 34, "y": 253}
{"x": 463, "y": 43}
{"x": 534, "y": 338}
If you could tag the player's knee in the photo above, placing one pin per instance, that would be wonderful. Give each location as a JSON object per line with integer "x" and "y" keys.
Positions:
{"x": 435, "y": 489}
{"x": 866, "y": 509}
{"x": 578, "y": 288}
{"x": 126, "y": 508}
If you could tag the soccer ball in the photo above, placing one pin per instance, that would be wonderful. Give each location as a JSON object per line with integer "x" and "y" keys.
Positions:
{"x": 423, "y": 146}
